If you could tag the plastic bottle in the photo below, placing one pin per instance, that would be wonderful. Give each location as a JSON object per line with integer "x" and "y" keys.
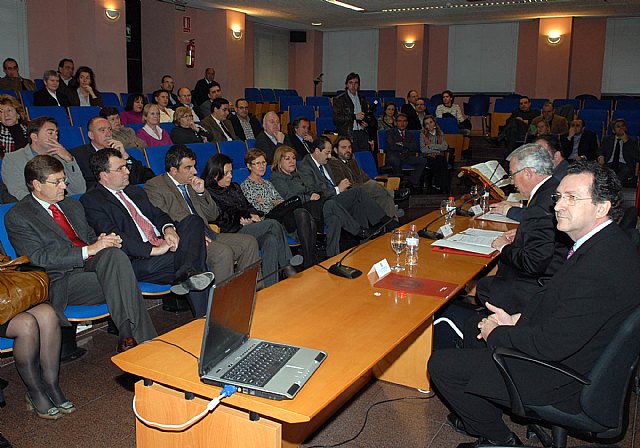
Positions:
{"x": 413, "y": 244}
{"x": 484, "y": 201}
{"x": 450, "y": 217}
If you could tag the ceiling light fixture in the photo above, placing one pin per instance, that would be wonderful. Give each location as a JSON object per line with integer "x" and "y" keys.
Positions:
{"x": 345, "y": 5}
{"x": 475, "y": 3}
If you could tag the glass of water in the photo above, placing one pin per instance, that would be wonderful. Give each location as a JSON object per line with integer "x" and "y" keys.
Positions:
{"x": 398, "y": 243}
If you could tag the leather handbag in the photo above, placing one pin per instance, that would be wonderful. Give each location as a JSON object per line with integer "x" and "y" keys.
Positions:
{"x": 20, "y": 290}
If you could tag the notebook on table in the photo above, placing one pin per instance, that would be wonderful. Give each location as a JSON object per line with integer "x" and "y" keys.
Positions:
{"x": 230, "y": 355}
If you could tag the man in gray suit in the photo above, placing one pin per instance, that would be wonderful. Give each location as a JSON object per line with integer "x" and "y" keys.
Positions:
{"x": 83, "y": 269}
{"x": 217, "y": 124}
{"x": 180, "y": 193}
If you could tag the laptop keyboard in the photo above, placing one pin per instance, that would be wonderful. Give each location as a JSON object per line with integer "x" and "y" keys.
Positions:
{"x": 261, "y": 364}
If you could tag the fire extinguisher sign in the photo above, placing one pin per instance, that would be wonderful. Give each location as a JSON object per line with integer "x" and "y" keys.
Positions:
{"x": 186, "y": 24}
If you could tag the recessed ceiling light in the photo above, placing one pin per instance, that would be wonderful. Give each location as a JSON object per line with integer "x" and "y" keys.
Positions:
{"x": 344, "y": 5}
{"x": 316, "y": 23}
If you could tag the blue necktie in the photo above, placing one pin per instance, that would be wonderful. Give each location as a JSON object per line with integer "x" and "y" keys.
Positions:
{"x": 183, "y": 190}
{"x": 327, "y": 179}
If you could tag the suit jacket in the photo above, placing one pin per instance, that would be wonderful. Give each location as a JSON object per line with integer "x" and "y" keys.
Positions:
{"x": 313, "y": 178}
{"x": 588, "y": 146}
{"x": 34, "y": 233}
{"x": 17, "y": 84}
{"x": 630, "y": 150}
{"x": 138, "y": 173}
{"x": 343, "y": 113}
{"x": 43, "y": 98}
{"x": 201, "y": 92}
{"x": 412, "y": 115}
{"x": 292, "y": 140}
{"x": 204, "y": 109}
{"x": 350, "y": 170}
{"x": 409, "y": 144}
{"x": 237, "y": 127}
{"x": 216, "y": 131}
{"x": 264, "y": 143}
{"x": 571, "y": 320}
{"x": 106, "y": 214}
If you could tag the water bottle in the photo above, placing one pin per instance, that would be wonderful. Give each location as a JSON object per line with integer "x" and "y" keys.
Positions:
{"x": 413, "y": 244}
{"x": 450, "y": 209}
{"x": 484, "y": 201}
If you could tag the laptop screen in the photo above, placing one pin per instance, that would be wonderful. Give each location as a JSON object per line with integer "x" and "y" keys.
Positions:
{"x": 229, "y": 317}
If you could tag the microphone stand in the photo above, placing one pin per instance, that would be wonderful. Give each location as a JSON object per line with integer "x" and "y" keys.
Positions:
{"x": 295, "y": 261}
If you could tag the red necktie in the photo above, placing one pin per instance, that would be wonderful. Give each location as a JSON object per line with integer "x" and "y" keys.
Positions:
{"x": 62, "y": 221}
{"x": 402, "y": 134}
{"x": 141, "y": 222}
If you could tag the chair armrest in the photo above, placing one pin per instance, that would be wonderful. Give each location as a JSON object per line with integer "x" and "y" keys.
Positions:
{"x": 499, "y": 355}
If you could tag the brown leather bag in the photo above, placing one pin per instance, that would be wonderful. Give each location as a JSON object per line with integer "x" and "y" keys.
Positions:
{"x": 20, "y": 290}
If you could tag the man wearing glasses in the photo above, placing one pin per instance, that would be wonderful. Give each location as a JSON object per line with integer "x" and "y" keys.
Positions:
{"x": 574, "y": 318}
{"x": 43, "y": 139}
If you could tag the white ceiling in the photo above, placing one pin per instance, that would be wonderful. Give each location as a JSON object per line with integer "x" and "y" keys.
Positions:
{"x": 299, "y": 14}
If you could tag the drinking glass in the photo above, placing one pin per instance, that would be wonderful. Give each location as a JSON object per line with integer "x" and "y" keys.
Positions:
{"x": 398, "y": 243}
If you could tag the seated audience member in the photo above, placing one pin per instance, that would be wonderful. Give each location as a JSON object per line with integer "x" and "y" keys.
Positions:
{"x": 151, "y": 133}
{"x": 317, "y": 176}
{"x": 350, "y": 112}
{"x": 236, "y": 214}
{"x": 184, "y": 97}
{"x": 271, "y": 137}
{"x": 83, "y": 269}
{"x": 101, "y": 136}
{"x": 576, "y": 316}
{"x": 449, "y": 109}
{"x": 216, "y": 123}
{"x": 180, "y": 193}
{"x": 580, "y": 143}
{"x": 133, "y": 109}
{"x": 264, "y": 197}
{"x": 13, "y": 128}
{"x": 201, "y": 89}
{"x": 12, "y": 79}
{"x": 619, "y": 151}
{"x": 51, "y": 94}
{"x": 344, "y": 166}
{"x": 388, "y": 118}
{"x": 215, "y": 91}
{"x": 43, "y": 139}
{"x": 159, "y": 250}
{"x": 245, "y": 125}
{"x": 168, "y": 84}
{"x": 185, "y": 130}
{"x": 125, "y": 135}
{"x": 409, "y": 109}
{"x": 161, "y": 98}
{"x": 421, "y": 110}
{"x": 86, "y": 94}
{"x": 287, "y": 180}
{"x": 541, "y": 128}
{"x": 403, "y": 149}
{"x": 299, "y": 137}
{"x": 434, "y": 146}
{"x": 517, "y": 124}
{"x": 557, "y": 123}
{"x": 65, "y": 70}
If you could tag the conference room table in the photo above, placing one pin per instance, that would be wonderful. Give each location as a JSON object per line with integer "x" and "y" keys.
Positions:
{"x": 365, "y": 330}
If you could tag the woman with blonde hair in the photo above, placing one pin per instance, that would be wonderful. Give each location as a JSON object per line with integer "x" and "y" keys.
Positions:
{"x": 13, "y": 127}
{"x": 151, "y": 132}
{"x": 185, "y": 130}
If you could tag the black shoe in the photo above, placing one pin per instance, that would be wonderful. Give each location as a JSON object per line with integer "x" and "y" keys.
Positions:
{"x": 400, "y": 194}
{"x": 457, "y": 424}
{"x": 513, "y": 440}
{"x": 192, "y": 281}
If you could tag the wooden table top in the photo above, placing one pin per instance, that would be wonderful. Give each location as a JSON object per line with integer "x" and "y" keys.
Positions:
{"x": 356, "y": 324}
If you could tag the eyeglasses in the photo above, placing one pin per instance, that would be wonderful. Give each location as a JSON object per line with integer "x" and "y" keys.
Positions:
{"x": 263, "y": 163}
{"x": 120, "y": 169}
{"x": 570, "y": 199}
{"x": 58, "y": 181}
{"x": 512, "y": 175}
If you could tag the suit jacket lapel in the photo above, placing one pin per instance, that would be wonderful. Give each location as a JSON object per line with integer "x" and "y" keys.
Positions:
{"x": 41, "y": 215}
{"x": 173, "y": 189}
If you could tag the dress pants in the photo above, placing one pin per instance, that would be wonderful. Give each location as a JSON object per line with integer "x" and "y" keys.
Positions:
{"x": 396, "y": 160}
{"x": 272, "y": 239}
{"x": 623, "y": 171}
{"x": 382, "y": 196}
{"x": 228, "y": 249}
{"x": 189, "y": 257}
{"x": 108, "y": 277}
{"x": 363, "y": 208}
{"x": 336, "y": 218}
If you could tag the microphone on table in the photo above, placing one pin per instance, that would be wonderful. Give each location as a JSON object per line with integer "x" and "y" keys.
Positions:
{"x": 294, "y": 261}
{"x": 345, "y": 271}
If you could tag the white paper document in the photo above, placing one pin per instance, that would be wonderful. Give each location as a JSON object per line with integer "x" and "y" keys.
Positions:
{"x": 471, "y": 240}
{"x": 496, "y": 217}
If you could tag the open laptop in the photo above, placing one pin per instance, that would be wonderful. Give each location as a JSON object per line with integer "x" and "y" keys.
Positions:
{"x": 230, "y": 356}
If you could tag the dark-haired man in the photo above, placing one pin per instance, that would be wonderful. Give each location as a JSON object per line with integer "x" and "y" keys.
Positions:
{"x": 410, "y": 109}
{"x": 66, "y": 70}
{"x": 349, "y": 109}
{"x": 300, "y": 138}
{"x": 43, "y": 139}
{"x": 574, "y": 318}
{"x": 168, "y": 84}
{"x": 181, "y": 193}
{"x": 13, "y": 80}
{"x": 217, "y": 124}
{"x": 403, "y": 149}
{"x": 245, "y": 125}
{"x": 215, "y": 91}
{"x": 160, "y": 250}
{"x": 620, "y": 152}
{"x": 518, "y": 123}
{"x": 580, "y": 143}
{"x": 83, "y": 269}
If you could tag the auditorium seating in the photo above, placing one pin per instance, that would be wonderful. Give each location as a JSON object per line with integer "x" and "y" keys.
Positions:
{"x": 71, "y": 137}
{"x": 235, "y": 149}
{"x": 203, "y": 152}
{"x": 317, "y": 101}
{"x": 111, "y": 99}
{"x": 58, "y": 113}
{"x": 155, "y": 156}
{"x": 27, "y": 98}
{"x": 80, "y": 115}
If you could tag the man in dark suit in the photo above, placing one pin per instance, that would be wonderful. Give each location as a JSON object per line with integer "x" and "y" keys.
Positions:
{"x": 101, "y": 136}
{"x": 13, "y": 80}
{"x": 517, "y": 124}
{"x": 83, "y": 268}
{"x": 217, "y": 124}
{"x": 272, "y": 137}
{"x": 409, "y": 109}
{"x": 180, "y": 193}
{"x": 168, "y": 84}
{"x": 52, "y": 94}
{"x": 580, "y": 143}
{"x": 620, "y": 152}
{"x": 160, "y": 251}
{"x": 245, "y": 125}
{"x": 66, "y": 69}
{"x": 299, "y": 138}
{"x": 570, "y": 321}
{"x": 201, "y": 89}
{"x": 349, "y": 110}
{"x": 215, "y": 91}
{"x": 402, "y": 149}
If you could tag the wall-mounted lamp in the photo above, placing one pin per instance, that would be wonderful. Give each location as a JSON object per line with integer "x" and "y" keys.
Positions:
{"x": 112, "y": 14}
{"x": 554, "y": 38}
{"x": 409, "y": 44}
{"x": 236, "y": 32}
